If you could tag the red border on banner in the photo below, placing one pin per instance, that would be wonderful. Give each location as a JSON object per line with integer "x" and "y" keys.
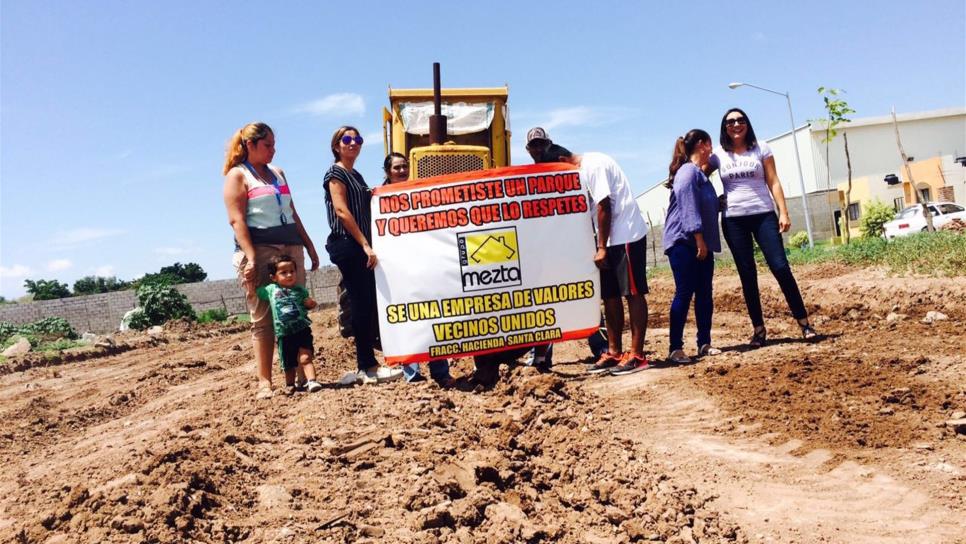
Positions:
{"x": 423, "y": 357}
{"x": 476, "y": 175}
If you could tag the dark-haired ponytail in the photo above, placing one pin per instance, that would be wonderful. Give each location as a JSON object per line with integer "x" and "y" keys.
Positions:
{"x": 678, "y": 158}
{"x": 683, "y": 148}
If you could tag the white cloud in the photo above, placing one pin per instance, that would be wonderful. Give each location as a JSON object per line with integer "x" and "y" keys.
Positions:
{"x": 15, "y": 271}
{"x": 373, "y": 138}
{"x": 81, "y": 235}
{"x": 339, "y": 103}
{"x": 57, "y": 265}
{"x": 172, "y": 251}
{"x": 104, "y": 271}
{"x": 583, "y": 116}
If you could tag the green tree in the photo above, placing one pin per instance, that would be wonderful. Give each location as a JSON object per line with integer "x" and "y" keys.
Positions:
{"x": 90, "y": 285}
{"x": 46, "y": 289}
{"x": 874, "y": 217}
{"x": 156, "y": 278}
{"x": 173, "y": 274}
{"x": 838, "y": 110}
{"x": 187, "y": 273}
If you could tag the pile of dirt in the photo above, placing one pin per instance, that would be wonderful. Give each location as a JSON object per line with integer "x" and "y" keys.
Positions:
{"x": 860, "y": 401}
{"x": 956, "y": 225}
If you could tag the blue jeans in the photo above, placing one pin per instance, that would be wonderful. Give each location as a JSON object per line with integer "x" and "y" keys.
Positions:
{"x": 548, "y": 356}
{"x": 692, "y": 279}
{"x": 597, "y": 343}
{"x": 438, "y": 370}
{"x": 763, "y": 227}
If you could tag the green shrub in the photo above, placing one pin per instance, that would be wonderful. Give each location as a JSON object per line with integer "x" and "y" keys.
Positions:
{"x": 46, "y": 329}
{"x": 138, "y": 320}
{"x": 875, "y": 216}
{"x": 212, "y": 315}
{"x": 799, "y": 239}
{"x": 7, "y": 330}
{"x": 160, "y": 303}
{"x": 57, "y": 345}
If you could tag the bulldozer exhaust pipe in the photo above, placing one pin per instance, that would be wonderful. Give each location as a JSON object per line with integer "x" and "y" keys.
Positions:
{"x": 437, "y": 121}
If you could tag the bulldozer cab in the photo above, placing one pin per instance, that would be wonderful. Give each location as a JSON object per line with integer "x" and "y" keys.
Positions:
{"x": 477, "y": 134}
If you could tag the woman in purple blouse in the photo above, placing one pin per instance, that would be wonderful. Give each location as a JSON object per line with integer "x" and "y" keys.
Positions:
{"x": 690, "y": 237}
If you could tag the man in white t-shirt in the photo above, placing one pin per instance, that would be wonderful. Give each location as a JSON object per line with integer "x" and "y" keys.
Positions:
{"x": 621, "y": 255}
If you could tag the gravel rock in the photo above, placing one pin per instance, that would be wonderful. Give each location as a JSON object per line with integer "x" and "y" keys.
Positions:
{"x": 19, "y": 347}
{"x": 933, "y": 316}
{"x": 958, "y": 425}
{"x": 273, "y": 496}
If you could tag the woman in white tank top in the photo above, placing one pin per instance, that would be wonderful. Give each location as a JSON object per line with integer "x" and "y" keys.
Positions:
{"x": 265, "y": 224}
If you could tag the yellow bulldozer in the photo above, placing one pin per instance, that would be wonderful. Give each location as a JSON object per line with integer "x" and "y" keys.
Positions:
{"x": 476, "y": 137}
{"x": 443, "y": 131}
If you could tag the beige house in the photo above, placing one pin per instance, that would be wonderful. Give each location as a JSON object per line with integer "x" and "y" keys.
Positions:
{"x": 931, "y": 185}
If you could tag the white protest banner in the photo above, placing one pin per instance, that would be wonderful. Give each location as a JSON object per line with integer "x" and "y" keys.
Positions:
{"x": 484, "y": 261}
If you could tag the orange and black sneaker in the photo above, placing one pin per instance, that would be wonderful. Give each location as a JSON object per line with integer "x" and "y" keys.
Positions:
{"x": 606, "y": 362}
{"x": 630, "y": 364}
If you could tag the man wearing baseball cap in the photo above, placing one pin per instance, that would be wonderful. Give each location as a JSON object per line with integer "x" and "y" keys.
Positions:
{"x": 537, "y": 142}
{"x": 621, "y": 241}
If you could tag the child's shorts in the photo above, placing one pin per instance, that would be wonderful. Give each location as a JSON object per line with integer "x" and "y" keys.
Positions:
{"x": 289, "y": 346}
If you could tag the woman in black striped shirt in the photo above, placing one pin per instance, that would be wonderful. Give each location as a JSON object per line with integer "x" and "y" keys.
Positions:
{"x": 347, "y": 200}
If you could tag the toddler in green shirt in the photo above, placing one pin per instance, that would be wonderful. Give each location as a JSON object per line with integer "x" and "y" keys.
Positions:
{"x": 289, "y": 303}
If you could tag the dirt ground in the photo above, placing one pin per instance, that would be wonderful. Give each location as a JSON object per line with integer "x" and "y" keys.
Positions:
{"x": 159, "y": 439}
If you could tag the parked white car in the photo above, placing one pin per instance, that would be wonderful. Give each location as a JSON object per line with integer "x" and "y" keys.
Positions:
{"x": 910, "y": 220}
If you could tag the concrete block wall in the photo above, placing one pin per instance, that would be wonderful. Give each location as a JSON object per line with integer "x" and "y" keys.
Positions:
{"x": 655, "y": 248}
{"x": 102, "y": 313}
{"x": 821, "y": 207}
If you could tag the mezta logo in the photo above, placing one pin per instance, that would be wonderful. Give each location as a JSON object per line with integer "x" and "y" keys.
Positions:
{"x": 489, "y": 259}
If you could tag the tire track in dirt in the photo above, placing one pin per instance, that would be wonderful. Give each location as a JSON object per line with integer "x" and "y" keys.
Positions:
{"x": 774, "y": 491}
{"x": 44, "y": 401}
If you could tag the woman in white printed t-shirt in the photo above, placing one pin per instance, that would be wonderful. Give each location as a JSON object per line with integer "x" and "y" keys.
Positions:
{"x": 752, "y": 191}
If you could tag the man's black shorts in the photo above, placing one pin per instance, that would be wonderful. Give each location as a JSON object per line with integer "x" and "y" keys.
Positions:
{"x": 289, "y": 346}
{"x": 626, "y": 272}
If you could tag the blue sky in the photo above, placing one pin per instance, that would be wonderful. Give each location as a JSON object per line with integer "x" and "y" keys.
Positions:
{"x": 114, "y": 114}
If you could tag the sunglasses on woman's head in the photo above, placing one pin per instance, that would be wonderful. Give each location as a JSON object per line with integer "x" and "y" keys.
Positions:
{"x": 349, "y": 139}
{"x": 736, "y": 121}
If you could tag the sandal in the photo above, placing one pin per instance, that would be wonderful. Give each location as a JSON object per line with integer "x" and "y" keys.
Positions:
{"x": 759, "y": 338}
{"x": 708, "y": 350}
{"x": 808, "y": 333}
{"x": 678, "y": 357}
